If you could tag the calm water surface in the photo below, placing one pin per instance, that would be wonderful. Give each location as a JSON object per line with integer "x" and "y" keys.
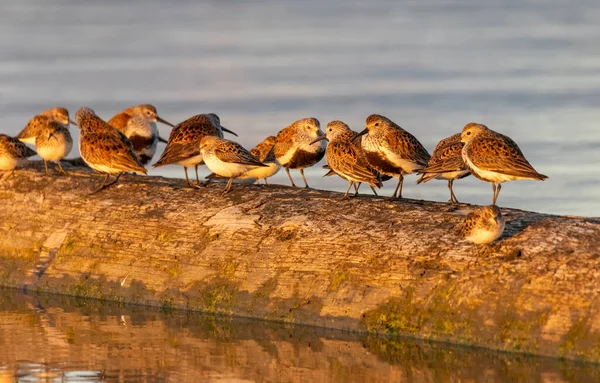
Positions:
{"x": 58, "y": 339}
{"x": 527, "y": 68}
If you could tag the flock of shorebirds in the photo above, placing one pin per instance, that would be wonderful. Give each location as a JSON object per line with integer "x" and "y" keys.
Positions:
{"x": 383, "y": 150}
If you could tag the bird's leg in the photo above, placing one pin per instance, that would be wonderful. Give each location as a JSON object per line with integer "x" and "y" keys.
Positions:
{"x": 287, "y": 170}
{"x": 228, "y": 187}
{"x": 356, "y": 186}
{"x": 266, "y": 183}
{"x": 374, "y": 191}
{"x": 188, "y": 180}
{"x": 346, "y": 196}
{"x": 104, "y": 185}
{"x": 61, "y": 168}
{"x": 398, "y": 192}
{"x": 497, "y": 193}
{"x": 493, "y": 193}
{"x": 197, "y": 178}
{"x": 453, "y": 199}
{"x": 304, "y": 178}
{"x": 46, "y": 166}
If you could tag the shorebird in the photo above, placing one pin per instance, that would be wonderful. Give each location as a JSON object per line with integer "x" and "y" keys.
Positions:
{"x": 138, "y": 123}
{"x": 495, "y": 158}
{"x": 183, "y": 147}
{"x": 104, "y": 148}
{"x": 391, "y": 150}
{"x": 346, "y": 159}
{"x": 38, "y": 122}
{"x": 264, "y": 152}
{"x": 294, "y": 148}
{"x": 484, "y": 224}
{"x": 54, "y": 143}
{"x": 446, "y": 163}
{"x": 227, "y": 158}
{"x": 13, "y": 153}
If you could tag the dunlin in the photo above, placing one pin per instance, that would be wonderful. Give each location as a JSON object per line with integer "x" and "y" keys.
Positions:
{"x": 346, "y": 159}
{"x": 484, "y": 224}
{"x": 294, "y": 148}
{"x": 37, "y": 123}
{"x": 54, "y": 143}
{"x": 104, "y": 148}
{"x": 183, "y": 147}
{"x": 446, "y": 163}
{"x": 227, "y": 158}
{"x": 391, "y": 150}
{"x": 13, "y": 153}
{"x": 494, "y": 157}
{"x": 138, "y": 123}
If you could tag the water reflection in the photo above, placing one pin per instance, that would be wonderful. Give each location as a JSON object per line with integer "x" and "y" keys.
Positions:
{"x": 56, "y": 339}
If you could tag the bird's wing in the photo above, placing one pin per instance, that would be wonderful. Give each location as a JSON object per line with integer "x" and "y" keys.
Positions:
{"x": 346, "y": 159}
{"x": 34, "y": 127}
{"x": 119, "y": 121}
{"x": 406, "y": 147}
{"x": 233, "y": 152}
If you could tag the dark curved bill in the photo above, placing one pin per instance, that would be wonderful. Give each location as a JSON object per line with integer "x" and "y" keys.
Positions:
{"x": 228, "y": 131}
{"x": 320, "y": 138}
{"x": 72, "y": 122}
{"x": 164, "y": 121}
{"x": 360, "y": 134}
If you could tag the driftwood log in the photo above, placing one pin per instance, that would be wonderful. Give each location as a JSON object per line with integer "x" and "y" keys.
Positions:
{"x": 304, "y": 256}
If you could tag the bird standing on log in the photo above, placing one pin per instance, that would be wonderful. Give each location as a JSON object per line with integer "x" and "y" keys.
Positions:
{"x": 35, "y": 126}
{"x": 13, "y": 153}
{"x": 227, "y": 158}
{"x": 183, "y": 147}
{"x": 294, "y": 147}
{"x": 391, "y": 150}
{"x": 345, "y": 158}
{"x": 138, "y": 123}
{"x": 495, "y": 158}
{"x": 104, "y": 148}
{"x": 54, "y": 143}
{"x": 446, "y": 163}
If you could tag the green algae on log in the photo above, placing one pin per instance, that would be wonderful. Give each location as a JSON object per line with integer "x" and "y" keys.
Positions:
{"x": 303, "y": 256}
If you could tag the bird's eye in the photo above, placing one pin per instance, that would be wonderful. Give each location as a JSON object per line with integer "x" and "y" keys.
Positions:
{"x": 330, "y": 129}
{"x": 377, "y": 124}
{"x": 468, "y": 133}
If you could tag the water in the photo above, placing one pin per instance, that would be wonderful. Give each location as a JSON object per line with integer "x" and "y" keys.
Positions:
{"x": 526, "y": 68}
{"x": 58, "y": 339}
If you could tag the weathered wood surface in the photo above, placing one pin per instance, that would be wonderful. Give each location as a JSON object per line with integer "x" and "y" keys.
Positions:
{"x": 304, "y": 256}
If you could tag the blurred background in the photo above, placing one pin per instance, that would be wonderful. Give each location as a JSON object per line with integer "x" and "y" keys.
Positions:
{"x": 528, "y": 69}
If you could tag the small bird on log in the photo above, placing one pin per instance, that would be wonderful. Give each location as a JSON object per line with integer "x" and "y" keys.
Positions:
{"x": 183, "y": 147}
{"x": 264, "y": 152}
{"x": 54, "y": 143}
{"x": 446, "y": 163}
{"x": 495, "y": 158}
{"x": 104, "y": 148}
{"x": 227, "y": 158}
{"x": 38, "y": 122}
{"x": 483, "y": 225}
{"x": 13, "y": 153}
{"x": 391, "y": 150}
{"x": 347, "y": 159}
{"x": 294, "y": 148}
{"x": 138, "y": 123}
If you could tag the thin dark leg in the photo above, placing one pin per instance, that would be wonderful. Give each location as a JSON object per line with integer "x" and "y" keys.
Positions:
{"x": 304, "y": 178}
{"x": 346, "y": 196}
{"x": 374, "y": 191}
{"x": 493, "y": 193}
{"x": 356, "y": 187}
{"x": 266, "y": 183}
{"x": 496, "y": 193}
{"x": 197, "y": 179}
{"x": 186, "y": 177}
{"x": 105, "y": 185}
{"x": 61, "y": 168}
{"x": 452, "y": 196}
{"x": 287, "y": 170}
{"x": 228, "y": 187}
{"x": 398, "y": 192}
{"x": 46, "y": 166}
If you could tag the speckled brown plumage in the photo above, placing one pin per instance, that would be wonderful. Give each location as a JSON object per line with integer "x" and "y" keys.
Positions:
{"x": 104, "y": 148}
{"x": 13, "y": 152}
{"x": 483, "y": 225}
{"x": 38, "y": 122}
{"x": 54, "y": 143}
{"x": 446, "y": 163}
{"x": 293, "y": 148}
{"x": 495, "y": 158}
{"x": 391, "y": 150}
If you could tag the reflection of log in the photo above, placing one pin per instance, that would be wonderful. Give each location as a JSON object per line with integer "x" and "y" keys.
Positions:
{"x": 180, "y": 346}
{"x": 304, "y": 256}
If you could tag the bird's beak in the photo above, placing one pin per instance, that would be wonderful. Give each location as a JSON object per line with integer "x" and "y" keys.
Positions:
{"x": 320, "y": 138}
{"x": 164, "y": 122}
{"x": 360, "y": 134}
{"x": 72, "y": 122}
{"x": 228, "y": 131}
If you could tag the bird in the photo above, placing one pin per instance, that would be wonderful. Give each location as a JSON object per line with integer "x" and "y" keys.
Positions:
{"x": 13, "y": 153}
{"x": 183, "y": 147}
{"x": 391, "y": 150}
{"x": 104, "y": 148}
{"x": 264, "y": 152}
{"x": 495, "y": 158}
{"x": 294, "y": 148}
{"x": 483, "y": 225}
{"x": 227, "y": 158}
{"x": 53, "y": 143}
{"x": 446, "y": 163}
{"x": 37, "y": 123}
{"x": 138, "y": 123}
{"x": 345, "y": 158}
